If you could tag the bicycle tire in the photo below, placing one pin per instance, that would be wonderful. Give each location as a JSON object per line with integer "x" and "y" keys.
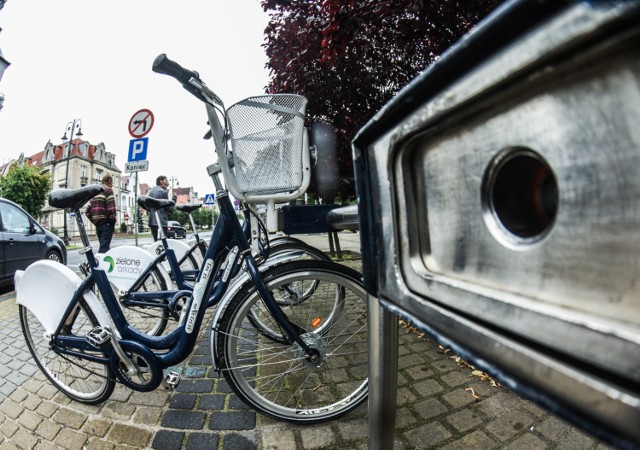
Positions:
{"x": 284, "y": 244}
{"x": 82, "y": 380}
{"x": 275, "y": 378}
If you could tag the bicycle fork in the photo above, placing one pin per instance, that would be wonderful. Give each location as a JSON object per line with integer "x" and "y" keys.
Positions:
{"x": 292, "y": 331}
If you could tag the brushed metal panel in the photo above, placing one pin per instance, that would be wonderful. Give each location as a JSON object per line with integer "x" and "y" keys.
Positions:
{"x": 575, "y": 279}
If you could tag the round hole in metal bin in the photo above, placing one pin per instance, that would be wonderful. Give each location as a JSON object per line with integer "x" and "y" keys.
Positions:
{"x": 519, "y": 197}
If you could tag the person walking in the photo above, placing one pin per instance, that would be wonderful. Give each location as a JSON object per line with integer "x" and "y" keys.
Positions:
{"x": 102, "y": 213}
{"x": 160, "y": 191}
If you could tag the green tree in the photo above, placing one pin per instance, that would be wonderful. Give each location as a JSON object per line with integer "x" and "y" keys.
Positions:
{"x": 140, "y": 219}
{"x": 349, "y": 57}
{"x": 202, "y": 217}
{"x": 178, "y": 216}
{"x": 26, "y": 186}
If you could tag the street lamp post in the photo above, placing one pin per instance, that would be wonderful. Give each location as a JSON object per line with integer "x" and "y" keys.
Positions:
{"x": 74, "y": 126}
{"x": 174, "y": 181}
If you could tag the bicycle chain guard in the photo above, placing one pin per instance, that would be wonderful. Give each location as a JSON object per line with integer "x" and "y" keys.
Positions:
{"x": 149, "y": 373}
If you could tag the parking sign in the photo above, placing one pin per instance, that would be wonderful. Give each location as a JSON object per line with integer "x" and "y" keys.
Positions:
{"x": 138, "y": 149}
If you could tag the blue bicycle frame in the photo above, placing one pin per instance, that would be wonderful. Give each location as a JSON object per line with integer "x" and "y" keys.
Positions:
{"x": 165, "y": 299}
{"x": 228, "y": 233}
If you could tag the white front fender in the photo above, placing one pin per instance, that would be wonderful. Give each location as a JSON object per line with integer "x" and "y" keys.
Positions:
{"x": 46, "y": 289}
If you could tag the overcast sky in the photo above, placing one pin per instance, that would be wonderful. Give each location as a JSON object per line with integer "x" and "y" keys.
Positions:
{"x": 91, "y": 60}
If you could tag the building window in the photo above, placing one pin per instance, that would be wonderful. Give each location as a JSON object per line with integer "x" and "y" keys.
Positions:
{"x": 83, "y": 175}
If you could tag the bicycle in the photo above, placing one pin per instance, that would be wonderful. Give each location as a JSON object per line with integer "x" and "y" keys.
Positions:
{"x": 308, "y": 364}
{"x": 140, "y": 292}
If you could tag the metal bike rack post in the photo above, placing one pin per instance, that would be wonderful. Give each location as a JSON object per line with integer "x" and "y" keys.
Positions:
{"x": 383, "y": 375}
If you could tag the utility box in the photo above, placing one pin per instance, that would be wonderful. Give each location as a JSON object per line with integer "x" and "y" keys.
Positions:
{"x": 500, "y": 206}
{"x": 303, "y": 219}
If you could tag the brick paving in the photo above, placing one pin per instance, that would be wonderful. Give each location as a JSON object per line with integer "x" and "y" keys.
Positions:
{"x": 442, "y": 403}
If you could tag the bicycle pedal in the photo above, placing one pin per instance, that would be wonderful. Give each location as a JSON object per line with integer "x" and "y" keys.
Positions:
{"x": 171, "y": 380}
{"x": 98, "y": 337}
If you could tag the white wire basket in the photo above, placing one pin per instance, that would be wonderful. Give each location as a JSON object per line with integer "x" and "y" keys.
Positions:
{"x": 266, "y": 134}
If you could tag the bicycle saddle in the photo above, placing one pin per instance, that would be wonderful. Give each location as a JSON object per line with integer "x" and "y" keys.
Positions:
{"x": 153, "y": 204}
{"x": 74, "y": 198}
{"x": 188, "y": 208}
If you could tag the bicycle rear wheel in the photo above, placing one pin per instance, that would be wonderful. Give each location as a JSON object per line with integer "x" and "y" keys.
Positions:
{"x": 85, "y": 381}
{"x": 275, "y": 377}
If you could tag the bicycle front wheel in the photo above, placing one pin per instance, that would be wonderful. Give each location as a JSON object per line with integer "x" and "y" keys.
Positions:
{"x": 83, "y": 380}
{"x": 276, "y": 377}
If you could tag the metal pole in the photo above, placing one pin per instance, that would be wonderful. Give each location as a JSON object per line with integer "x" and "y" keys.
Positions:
{"x": 136, "y": 219}
{"x": 66, "y": 185}
{"x": 73, "y": 124}
{"x": 174, "y": 180}
{"x": 383, "y": 375}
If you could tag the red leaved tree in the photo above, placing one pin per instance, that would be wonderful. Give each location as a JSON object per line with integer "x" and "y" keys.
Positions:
{"x": 349, "y": 57}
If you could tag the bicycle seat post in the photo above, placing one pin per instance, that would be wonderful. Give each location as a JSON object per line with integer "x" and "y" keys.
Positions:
{"x": 193, "y": 227}
{"x": 86, "y": 244}
{"x": 161, "y": 234}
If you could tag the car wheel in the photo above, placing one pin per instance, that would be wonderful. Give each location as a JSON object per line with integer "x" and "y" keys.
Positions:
{"x": 54, "y": 256}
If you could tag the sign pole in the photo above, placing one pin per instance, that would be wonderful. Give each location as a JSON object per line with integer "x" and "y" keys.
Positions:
{"x": 135, "y": 205}
{"x": 139, "y": 126}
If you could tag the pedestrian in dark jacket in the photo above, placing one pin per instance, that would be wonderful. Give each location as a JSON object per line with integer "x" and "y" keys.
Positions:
{"x": 102, "y": 213}
{"x": 161, "y": 191}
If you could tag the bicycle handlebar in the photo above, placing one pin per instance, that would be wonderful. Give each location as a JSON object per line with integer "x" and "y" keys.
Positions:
{"x": 190, "y": 79}
{"x": 165, "y": 66}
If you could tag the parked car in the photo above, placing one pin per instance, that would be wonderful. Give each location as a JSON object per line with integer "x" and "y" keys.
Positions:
{"x": 175, "y": 230}
{"x": 23, "y": 241}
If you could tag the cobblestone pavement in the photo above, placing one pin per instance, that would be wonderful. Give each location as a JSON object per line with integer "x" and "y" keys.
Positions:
{"x": 442, "y": 403}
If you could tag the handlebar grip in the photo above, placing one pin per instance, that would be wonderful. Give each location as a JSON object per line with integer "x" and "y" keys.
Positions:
{"x": 164, "y": 65}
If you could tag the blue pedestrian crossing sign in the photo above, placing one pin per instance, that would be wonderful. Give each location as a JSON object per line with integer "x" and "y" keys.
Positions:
{"x": 209, "y": 199}
{"x": 138, "y": 149}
